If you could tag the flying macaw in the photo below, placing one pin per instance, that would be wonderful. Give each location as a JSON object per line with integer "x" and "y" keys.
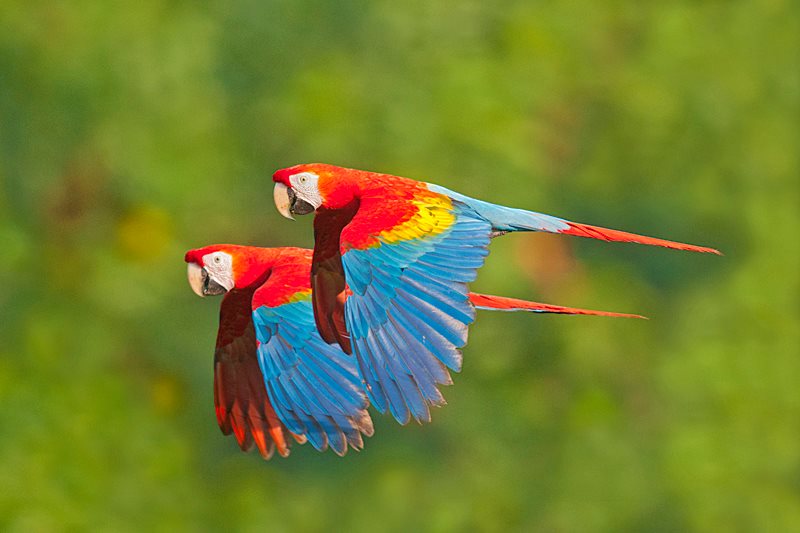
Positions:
{"x": 406, "y": 250}
{"x": 274, "y": 376}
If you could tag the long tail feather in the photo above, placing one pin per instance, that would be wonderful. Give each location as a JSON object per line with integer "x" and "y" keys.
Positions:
{"x": 506, "y": 219}
{"x": 604, "y": 234}
{"x": 500, "y": 303}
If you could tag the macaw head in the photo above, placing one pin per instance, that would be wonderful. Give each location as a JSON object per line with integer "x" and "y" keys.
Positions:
{"x": 220, "y": 268}
{"x": 211, "y": 270}
{"x": 302, "y": 189}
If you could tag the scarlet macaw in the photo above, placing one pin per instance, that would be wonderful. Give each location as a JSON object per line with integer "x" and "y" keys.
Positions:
{"x": 274, "y": 376}
{"x": 406, "y": 249}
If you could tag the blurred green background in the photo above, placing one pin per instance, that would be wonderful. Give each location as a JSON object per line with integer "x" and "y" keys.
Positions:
{"x": 132, "y": 131}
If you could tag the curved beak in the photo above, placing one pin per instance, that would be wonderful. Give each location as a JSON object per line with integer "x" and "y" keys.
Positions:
{"x": 202, "y": 284}
{"x": 289, "y": 203}
{"x": 197, "y": 277}
{"x": 282, "y": 201}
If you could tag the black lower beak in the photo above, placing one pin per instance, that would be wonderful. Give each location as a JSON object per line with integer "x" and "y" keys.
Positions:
{"x": 211, "y": 287}
{"x": 298, "y": 206}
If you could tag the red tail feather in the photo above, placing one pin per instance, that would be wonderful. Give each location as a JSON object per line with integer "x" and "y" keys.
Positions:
{"x": 500, "y": 303}
{"x": 604, "y": 234}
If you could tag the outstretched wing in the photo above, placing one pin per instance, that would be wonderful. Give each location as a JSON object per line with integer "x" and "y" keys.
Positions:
{"x": 240, "y": 398}
{"x": 409, "y": 309}
{"x": 313, "y": 385}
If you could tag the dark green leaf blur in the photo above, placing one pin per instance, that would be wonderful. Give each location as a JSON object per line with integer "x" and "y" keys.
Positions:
{"x": 131, "y": 131}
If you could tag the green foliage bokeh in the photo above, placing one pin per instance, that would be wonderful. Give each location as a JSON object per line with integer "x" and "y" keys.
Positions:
{"x": 132, "y": 131}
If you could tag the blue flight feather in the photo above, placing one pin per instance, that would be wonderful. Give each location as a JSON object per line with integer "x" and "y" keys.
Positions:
{"x": 313, "y": 386}
{"x": 409, "y": 312}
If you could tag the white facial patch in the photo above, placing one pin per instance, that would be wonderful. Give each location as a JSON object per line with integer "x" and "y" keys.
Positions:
{"x": 306, "y": 187}
{"x": 219, "y": 266}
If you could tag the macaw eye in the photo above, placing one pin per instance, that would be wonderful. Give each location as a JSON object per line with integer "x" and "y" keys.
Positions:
{"x": 217, "y": 259}
{"x": 303, "y": 178}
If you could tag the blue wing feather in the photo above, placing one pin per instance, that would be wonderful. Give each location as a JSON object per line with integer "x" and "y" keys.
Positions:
{"x": 314, "y": 387}
{"x": 409, "y": 312}
{"x": 404, "y": 376}
{"x": 379, "y": 360}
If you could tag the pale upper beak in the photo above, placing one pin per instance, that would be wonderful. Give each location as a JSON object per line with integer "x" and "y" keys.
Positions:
{"x": 196, "y": 278}
{"x": 204, "y": 284}
{"x": 282, "y": 201}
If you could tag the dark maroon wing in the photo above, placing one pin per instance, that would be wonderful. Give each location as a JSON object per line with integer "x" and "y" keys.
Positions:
{"x": 240, "y": 396}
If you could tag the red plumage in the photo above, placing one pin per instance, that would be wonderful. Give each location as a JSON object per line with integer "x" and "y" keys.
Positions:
{"x": 240, "y": 397}
{"x": 613, "y": 235}
{"x": 500, "y": 303}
